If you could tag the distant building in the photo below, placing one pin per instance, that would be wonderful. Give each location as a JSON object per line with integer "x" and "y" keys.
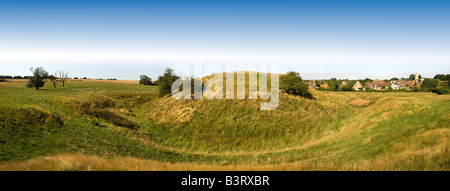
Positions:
{"x": 377, "y": 85}
{"x": 344, "y": 83}
{"x": 416, "y": 78}
{"x": 410, "y": 84}
{"x": 312, "y": 83}
{"x": 399, "y": 84}
{"x": 357, "y": 86}
{"x": 324, "y": 85}
{"x": 417, "y": 81}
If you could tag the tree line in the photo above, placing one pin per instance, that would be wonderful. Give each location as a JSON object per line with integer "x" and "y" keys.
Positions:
{"x": 14, "y": 77}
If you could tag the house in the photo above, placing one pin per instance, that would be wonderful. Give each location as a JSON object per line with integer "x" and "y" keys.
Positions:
{"x": 312, "y": 83}
{"x": 357, "y": 86}
{"x": 410, "y": 84}
{"x": 325, "y": 85}
{"x": 398, "y": 84}
{"x": 377, "y": 85}
{"x": 395, "y": 84}
{"x": 343, "y": 83}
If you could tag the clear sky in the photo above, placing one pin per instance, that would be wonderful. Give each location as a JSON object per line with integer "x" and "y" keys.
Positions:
{"x": 318, "y": 39}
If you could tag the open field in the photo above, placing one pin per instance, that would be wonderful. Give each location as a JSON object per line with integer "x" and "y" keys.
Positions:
{"x": 84, "y": 80}
{"x": 111, "y": 81}
{"x": 94, "y": 125}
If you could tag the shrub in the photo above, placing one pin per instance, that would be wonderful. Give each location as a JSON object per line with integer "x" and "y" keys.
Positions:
{"x": 292, "y": 83}
{"x": 333, "y": 84}
{"x": 145, "y": 80}
{"x": 165, "y": 82}
{"x": 345, "y": 88}
{"x": 430, "y": 84}
{"x": 441, "y": 90}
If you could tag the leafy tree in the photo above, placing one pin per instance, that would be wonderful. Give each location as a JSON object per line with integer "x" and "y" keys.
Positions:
{"x": 430, "y": 84}
{"x": 394, "y": 79}
{"x": 292, "y": 83}
{"x": 349, "y": 86}
{"x": 165, "y": 82}
{"x": 145, "y": 80}
{"x": 363, "y": 82}
{"x": 440, "y": 77}
{"x": 447, "y": 78}
{"x": 333, "y": 84}
{"x": 37, "y": 80}
{"x": 412, "y": 77}
{"x": 445, "y": 85}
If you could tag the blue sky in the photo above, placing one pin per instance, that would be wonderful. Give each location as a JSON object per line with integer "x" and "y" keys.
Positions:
{"x": 319, "y": 39}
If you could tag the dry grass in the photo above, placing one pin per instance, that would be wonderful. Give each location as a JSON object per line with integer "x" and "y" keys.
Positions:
{"x": 81, "y": 162}
{"x": 360, "y": 102}
{"x": 169, "y": 110}
{"x": 16, "y": 80}
{"x": 112, "y": 81}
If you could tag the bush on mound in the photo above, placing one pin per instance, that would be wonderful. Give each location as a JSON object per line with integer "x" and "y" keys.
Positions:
{"x": 165, "y": 82}
{"x": 292, "y": 83}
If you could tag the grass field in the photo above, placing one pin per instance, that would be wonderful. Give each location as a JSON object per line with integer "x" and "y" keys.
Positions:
{"x": 94, "y": 125}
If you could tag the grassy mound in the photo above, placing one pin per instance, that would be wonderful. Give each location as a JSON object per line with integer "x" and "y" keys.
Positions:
{"x": 233, "y": 125}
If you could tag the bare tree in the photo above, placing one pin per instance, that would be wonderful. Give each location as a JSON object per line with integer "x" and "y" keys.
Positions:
{"x": 53, "y": 79}
{"x": 62, "y": 76}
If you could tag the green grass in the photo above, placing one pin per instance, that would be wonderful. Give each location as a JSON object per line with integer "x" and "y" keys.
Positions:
{"x": 389, "y": 131}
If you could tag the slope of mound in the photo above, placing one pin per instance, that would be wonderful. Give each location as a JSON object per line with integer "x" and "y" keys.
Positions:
{"x": 229, "y": 125}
